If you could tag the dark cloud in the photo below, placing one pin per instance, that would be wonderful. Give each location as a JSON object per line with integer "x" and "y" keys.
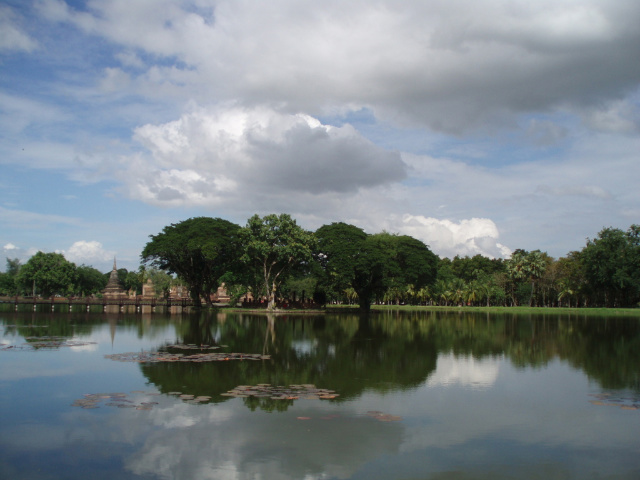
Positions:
{"x": 319, "y": 160}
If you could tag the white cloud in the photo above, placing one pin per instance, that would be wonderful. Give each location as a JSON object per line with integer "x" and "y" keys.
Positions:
{"x": 88, "y": 253}
{"x": 10, "y": 246}
{"x": 114, "y": 79}
{"x": 12, "y": 36}
{"x": 407, "y": 63}
{"x": 210, "y": 156}
{"x": 130, "y": 59}
{"x": 549, "y": 90}
{"x": 446, "y": 238}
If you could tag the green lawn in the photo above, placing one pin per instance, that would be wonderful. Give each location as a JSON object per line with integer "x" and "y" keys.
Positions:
{"x": 527, "y": 309}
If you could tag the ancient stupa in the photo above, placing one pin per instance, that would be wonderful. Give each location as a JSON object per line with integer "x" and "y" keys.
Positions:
{"x": 113, "y": 288}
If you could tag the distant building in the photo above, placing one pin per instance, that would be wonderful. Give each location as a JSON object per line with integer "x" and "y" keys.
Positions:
{"x": 113, "y": 289}
{"x": 148, "y": 290}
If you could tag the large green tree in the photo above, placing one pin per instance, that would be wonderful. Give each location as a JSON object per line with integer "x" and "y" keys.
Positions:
{"x": 160, "y": 279}
{"x": 417, "y": 265}
{"x": 199, "y": 250}
{"x": 274, "y": 247}
{"x": 89, "y": 280}
{"x": 8, "y": 278}
{"x": 372, "y": 265}
{"x": 47, "y": 274}
{"x": 468, "y": 268}
{"x": 612, "y": 266}
{"x": 338, "y": 247}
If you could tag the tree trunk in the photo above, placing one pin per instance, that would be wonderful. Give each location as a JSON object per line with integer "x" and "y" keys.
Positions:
{"x": 533, "y": 289}
{"x": 195, "y": 296}
{"x": 365, "y": 305}
{"x": 272, "y": 297}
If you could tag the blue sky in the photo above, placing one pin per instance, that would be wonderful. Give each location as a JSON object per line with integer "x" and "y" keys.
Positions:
{"x": 478, "y": 127}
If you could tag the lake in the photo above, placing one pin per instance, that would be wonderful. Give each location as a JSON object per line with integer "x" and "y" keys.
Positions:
{"x": 397, "y": 395}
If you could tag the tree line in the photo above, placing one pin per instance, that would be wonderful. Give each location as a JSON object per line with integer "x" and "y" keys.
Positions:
{"x": 47, "y": 274}
{"x": 273, "y": 258}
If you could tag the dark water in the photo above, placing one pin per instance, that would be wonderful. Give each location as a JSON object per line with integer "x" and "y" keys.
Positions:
{"x": 421, "y": 396}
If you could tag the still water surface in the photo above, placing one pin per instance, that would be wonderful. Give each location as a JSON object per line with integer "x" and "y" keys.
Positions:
{"x": 420, "y": 396}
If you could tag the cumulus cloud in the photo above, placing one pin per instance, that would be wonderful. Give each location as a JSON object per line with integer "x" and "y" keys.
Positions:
{"x": 88, "y": 253}
{"x": 446, "y": 238}
{"x": 208, "y": 156}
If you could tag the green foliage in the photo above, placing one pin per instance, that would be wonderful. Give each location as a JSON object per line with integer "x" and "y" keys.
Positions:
{"x": 50, "y": 273}
{"x": 612, "y": 266}
{"x": 89, "y": 281}
{"x": 132, "y": 282}
{"x": 13, "y": 266}
{"x": 445, "y": 270}
{"x": 468, "y": 268}
{"x": 8, "y": 284}
{"x": 161, "y": 280}
{"x": 340, "y": 263}
{"x": 199, "y": 250}
{"x": 526, "y": 266}
{"x": 297, "y": 286}
{"x": 381, "y": 266}
{"x": 416, "y": 265}
{"x": 274, "y": 247}
{"x": 338, "y": 248}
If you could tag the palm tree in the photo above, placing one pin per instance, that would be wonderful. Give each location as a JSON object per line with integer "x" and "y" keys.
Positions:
{"x": 442, "y": 292}
{"x": 529, "y": 266}
{"x": 565, "y": 291}
{"x": 536, "y": 266}
{"x": 424, "y": 295}
{"x": 458, "y": 291}
{"x": 351, "y": 294}
{"x": 410, "y": 291}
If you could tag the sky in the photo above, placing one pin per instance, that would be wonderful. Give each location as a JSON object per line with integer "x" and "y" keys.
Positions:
{"x": 476, "y": 126}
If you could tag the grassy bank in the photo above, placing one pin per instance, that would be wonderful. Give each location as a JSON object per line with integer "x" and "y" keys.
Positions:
{"x": 524, "y": 310}
{"x": 527, "y": 310}
{"x": 622, "y": 312}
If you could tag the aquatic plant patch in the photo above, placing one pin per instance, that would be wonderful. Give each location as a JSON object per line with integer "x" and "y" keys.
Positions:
{"x": 137, "y": 399}
{"x": 292, "y": 392}
{"x": 193, "y": 346}
{"x": 36, "y": 343}
{"x": 616, "y": 400}
{"x": 157, "y": 357}
{"x": 119, "y": 400}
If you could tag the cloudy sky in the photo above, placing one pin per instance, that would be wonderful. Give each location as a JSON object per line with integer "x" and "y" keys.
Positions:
{"x": 477, "y": 126}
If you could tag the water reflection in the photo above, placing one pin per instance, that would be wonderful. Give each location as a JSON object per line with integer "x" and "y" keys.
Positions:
{"x": 469, "y": 396}
{"x": 465, "y": 371}
{"x": 389, "y": 351}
